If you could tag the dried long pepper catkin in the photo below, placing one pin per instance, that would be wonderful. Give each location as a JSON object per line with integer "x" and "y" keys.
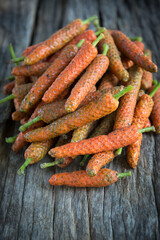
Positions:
{"x": 94, "y": 110}
{"x": 147, "y": 77}
{"x": 115, "y": 64}
{"x": 34, "y": 70}
{"x": 88, "y": 35}
{"x": 35, "y": 152}
{"x": 141, "y": 114}
{"x": 79, "y": 63}
{"x": 127, "y": 104}
{"x": 48, "y": 77}
{"x": 18, "y": 92}
{"x": 19, "y": 80}
{"x": 130, "y": 50}
{"x": 49, "y": 112}
{"x": 109, "y": 80}
{"x": 7, "y": 89}
{"x": 80, "y": 178}
{"x": 91, "y": 76}
{"x": 114, "y": 140}
{"x": 57, "y": 40}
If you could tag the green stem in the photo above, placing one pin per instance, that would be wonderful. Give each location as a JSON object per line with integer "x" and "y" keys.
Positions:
{"x": 96, "y": 23}
{"x": 10, "y": 78}
{"x": 17, "y": 60}
{"x": 99, "y": 31}
{"x": 45, "y": 165}
{"x": 101, "y": 36}
{"x": 88, "y": 20}
{"x": 80, "y": 43}
{"x": 82, "y": 163}
{"x": 22, "y": 168}
{"x": 154, "y": 82}
{"x": 146, "y": 54}
{"x": 118, "y": 151}
{"x": 125, "y": 174}
{"x": 12, "y": 52}
{"x": 139, "y": 39}
{"x": 148, "y": 129}
{"x": 28, "y": 124}
{"x": 11, "y": 139}
{"x": 123, "y": 92}
{"x": 105, "y": 49}
{"x": 10, "y": 97}
{"x": 154, "y": 90}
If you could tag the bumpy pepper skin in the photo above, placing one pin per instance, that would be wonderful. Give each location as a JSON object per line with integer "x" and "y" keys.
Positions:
{"x": 80, "y": 62}
{"x": 114, "y": 140}
{"x": 147, "y": 77}
{"x": 115, "y": 64}
{"x": 34, "y": 70}
{"x": 37, "y": 150}
{"x": 48, "y": 77}
{"x": 98, "y": 161}
{"x": 130, "y": 50}
{"x": 148, "y": 123}
{"x": 91, "y": 76}
{"x": 127, "y": 104}
{"x": 19, "y": 80}
{"x": 20, "y": 91}
{"x": 92, "y": 111}
{"x": 141, "y": 114}
{"x": 88, "y": 35}
{"x": 58, "y": 40}
{"x": 104, "y": 178}
{"x": 133, "y": 152}
{"x": 109, "y": 80}
{"x": 7, "y": 89}
{"x": 155, "y": 115}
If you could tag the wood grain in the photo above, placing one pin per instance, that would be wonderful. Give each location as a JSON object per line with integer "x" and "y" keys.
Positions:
{"x": 29, "y": 207}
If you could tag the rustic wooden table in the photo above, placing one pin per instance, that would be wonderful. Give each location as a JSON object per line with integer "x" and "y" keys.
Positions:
{"x": 29, "y": 207}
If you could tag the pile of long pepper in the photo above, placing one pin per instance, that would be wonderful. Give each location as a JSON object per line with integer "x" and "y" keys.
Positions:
{"x": 62, "y": 87}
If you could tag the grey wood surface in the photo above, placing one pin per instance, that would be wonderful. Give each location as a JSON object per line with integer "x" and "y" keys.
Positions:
{"x": 29, "y": 207}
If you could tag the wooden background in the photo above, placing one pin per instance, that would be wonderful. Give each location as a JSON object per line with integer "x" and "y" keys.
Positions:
{"x": 29, "y": 207}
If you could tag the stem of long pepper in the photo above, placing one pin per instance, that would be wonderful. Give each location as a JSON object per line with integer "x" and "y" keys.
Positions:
{"x": 28, "y": 124}
{"x": 123, "y": 92}
{"x": 139, "y": 39}
{"x": 45, "y": 165}
{"x": 125, "y": 174}
{"x": 11, "y": 139}
{"x": 101, "y": 36}
{"x": 12, "y": 52}
{"x": 148, "y": 129}
{"x": 105, "y": 49}
{"x": 10, "y": 97}
{"x": 10, "y": 78}
{"x": 17, "y": 60}
{"x": 88, "y": 20}
{"x": 118, "y": 152}
{"x": 154, "y": 90}
{"x": 22, "y": 168}
{"x": 80, "y": 43}
{"x": 154, "y": 82}
{"x": 96, "y": 23}
{"x": 82, "y": 163}
{"x": 100, "y": 31}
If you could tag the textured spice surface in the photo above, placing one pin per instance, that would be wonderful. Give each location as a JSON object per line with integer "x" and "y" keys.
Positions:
{"x": 133, "y": 152}
{"x": 94, "y": 110}
{"x": 114, "y": 140}
{"x": 105, "y": 177}
{"x": 91, "y": 76}
{"x": 56, "y": 41}
{"x": 115, "y": 64}
{"x": 130, "y": 50}
{"x": 48, "y": 77}
{"x": 83, "y": 58}
{"x": 147, "y": 77}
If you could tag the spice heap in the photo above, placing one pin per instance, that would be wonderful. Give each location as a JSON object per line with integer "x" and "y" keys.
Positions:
{"x": 82, "y": 92}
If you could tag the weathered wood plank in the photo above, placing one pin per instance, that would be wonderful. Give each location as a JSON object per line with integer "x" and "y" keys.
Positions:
{"x": 32, "y": 209}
